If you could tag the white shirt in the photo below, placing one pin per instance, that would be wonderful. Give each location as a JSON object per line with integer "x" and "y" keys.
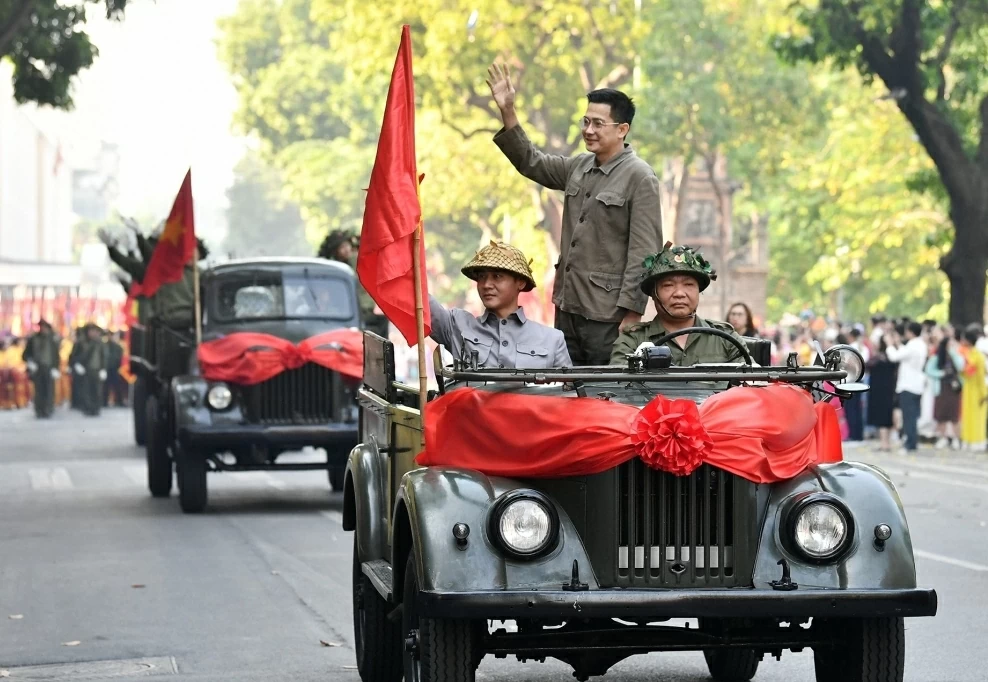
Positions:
{"x": 912, "y": 362}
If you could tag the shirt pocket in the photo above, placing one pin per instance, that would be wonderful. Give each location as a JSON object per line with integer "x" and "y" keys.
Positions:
{"x": 531, "y": 357}
{"x": 482, "y": 345}
{"x": 609, "y": 282}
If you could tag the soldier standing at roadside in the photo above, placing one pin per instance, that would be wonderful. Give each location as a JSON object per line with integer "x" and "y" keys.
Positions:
{"x": 90, "y": 370}
{"x": 611, "y": 218}
{"x": 339, "y": 245}
{"x": 41, "y": 357}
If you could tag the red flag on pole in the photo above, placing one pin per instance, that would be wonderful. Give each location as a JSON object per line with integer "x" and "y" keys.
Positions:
{"x": 175, "y": 247}
{"x": 392, "y": 212}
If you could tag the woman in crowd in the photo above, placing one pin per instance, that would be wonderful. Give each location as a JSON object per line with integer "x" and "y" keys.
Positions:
{"x": 942, "y": 369}
{"x": 881, "y": 397}
{"x": 739, "y": 317}
{"x": 974, "y": 396}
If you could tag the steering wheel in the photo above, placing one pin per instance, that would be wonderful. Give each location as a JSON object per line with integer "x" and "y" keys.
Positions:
{"x": 712, "y": 331}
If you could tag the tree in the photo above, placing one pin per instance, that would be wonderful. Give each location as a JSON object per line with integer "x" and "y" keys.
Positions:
{"x": 930, "y": 57}
{"x": 261, "y": 222}
{"x": 44, "y": 41}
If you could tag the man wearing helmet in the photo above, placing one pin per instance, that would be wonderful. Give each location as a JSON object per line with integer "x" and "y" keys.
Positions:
{"x": 674, "y": 279}
{"x": 502, "y": 337}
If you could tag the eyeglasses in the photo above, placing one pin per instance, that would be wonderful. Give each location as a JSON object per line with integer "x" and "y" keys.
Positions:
{"x": 596, "y": 123}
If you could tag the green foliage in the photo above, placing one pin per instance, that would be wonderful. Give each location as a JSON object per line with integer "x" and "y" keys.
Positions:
{"x": 261, "y": 222}
{"x": 44, "y": 41}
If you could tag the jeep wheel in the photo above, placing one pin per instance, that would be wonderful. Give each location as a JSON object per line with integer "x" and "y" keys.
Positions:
{"x": 336, "y": 475}
{"x": 865, "y": 650}
{"x": 192, "y": 491}
{"x": 156, "y": 452}
{"x": 138, "y": 402}
{"x": 377, "y": 639}
{"x": 732, "y": 665}
{"x": 435, "y": 649}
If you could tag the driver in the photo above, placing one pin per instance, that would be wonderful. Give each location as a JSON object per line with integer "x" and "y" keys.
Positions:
{"x": 674, "y": 278}
{"x": 502, "y": 337}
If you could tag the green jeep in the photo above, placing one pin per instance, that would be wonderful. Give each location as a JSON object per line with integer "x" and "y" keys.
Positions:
{"x": 624, "y": 551}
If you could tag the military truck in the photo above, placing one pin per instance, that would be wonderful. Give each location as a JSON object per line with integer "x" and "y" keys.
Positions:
{"x": 591, "y": 568}
{"x": 196, "y": 425}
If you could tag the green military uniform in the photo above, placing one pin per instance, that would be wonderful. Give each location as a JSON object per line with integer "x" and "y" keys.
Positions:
{"x": 369, "y": 319}
{"x": 90, "y": 364}
{"x": 698, "y": 348}
{"x": 42, "y": 351}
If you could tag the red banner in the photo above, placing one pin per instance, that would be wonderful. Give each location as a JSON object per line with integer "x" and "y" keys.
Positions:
{"x": 247, "y": 358}
{"x": 764, "y": 434}
{"x": 176, "y": 246}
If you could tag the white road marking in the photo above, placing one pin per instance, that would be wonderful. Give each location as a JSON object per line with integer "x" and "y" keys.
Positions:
{"x": 950, "y": 560}
{"x": 50, "y": 479}
{"x": 936, "y": 478}
{"x": 275, "y": 483}
{"x": 334, "y": 516}
{"x": 941, "y": 468}
{"x": 137, "y": 474}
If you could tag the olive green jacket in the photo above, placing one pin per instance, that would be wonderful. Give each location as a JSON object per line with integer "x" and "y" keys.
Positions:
{"x": 699, "y": 347}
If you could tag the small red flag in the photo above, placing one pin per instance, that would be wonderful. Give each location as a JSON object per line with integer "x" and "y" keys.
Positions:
{"x": 392, "y": 212}
{"x": 175, "y": 247}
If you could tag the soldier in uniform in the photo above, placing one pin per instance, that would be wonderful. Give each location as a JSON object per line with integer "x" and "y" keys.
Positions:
{"x": 675, "y": 278}
{"x": 90, "y": 370}
{"x": 502, "y": 337}
{"x": 115, "y": 384}
{"x": 339, "y": 245}
{"x": 41, "y": 357}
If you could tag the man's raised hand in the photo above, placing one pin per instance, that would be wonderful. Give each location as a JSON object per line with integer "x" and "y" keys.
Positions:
{"x": 503, "y": 92}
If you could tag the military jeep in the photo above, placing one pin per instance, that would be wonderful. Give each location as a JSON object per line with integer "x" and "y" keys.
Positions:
{"x": 625, "y": 551}
{"x": 196, "y": 426}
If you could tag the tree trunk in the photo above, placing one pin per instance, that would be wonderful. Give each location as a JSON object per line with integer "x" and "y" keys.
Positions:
{"x": 966, "y": 263}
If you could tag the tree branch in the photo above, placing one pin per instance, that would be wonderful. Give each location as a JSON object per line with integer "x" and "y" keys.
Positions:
{"x": 617, "y": 75}
{"x": 463, "y": 133}
{"x": 982, "y": 157}
{"x": 18, "y": 17}
{"x": 948, "y": 42}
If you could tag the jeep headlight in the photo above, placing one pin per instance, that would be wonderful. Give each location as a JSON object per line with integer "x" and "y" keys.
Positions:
{"x": 219, "y": 397}
{"x": 524, "y": 524}
{"x": 821, "y": 528}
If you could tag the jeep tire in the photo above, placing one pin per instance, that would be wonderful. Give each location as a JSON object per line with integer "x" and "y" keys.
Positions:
{"x": 732, "y": 665}
{"x": 156, "y": 451}
{"x": 336, "y": 475}
{"x": 138, "y": 402}
{"x": 192, "y": 491}
{"x": 863, "y": 650}
{"x": 377, "y": 638}
{"x": 435, "y": 649}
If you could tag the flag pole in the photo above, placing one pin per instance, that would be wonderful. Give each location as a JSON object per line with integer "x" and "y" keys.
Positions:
{"x": 420, "y": 323}
{"x": 197, "y": 304}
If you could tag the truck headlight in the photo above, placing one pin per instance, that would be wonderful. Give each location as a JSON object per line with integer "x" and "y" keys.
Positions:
{"x": 219, "y": 397}
{"x": 524, "y": 524}
{"x": 820, "y": 527}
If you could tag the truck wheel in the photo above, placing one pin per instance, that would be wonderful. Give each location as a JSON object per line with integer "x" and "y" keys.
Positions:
{"x": 377, "y": 638}
{"x": 436, "y": 649}
{"x": 864, "y": 650}
{"x": 156, "y": 453}
{"x": 192, "y": 490}
{"x": 336, "y": 475}
{"x": 138, "y": 402}
{"x": 732, "y": 665}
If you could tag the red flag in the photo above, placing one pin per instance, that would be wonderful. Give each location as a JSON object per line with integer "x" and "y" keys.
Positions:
{"x": 392, "y": 212}
{"x": 175, "y": 247}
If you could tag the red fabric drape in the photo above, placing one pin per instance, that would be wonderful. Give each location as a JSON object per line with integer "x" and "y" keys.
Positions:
{"x": 764, "y": 434}
{"x": 247, "y": 358}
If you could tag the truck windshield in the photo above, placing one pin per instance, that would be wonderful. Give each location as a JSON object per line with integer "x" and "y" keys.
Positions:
{"x": 282, "y": 296}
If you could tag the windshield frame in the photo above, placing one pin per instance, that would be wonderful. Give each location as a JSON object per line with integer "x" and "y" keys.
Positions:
{"x": 275, "y": 277}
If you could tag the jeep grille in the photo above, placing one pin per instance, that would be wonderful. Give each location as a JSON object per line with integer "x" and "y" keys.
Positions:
{"x": 296, "y": 396}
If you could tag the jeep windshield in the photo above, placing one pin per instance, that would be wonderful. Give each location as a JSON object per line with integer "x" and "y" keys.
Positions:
{"x": 276, "y": 295}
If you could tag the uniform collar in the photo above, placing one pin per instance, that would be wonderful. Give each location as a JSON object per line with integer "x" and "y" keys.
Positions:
{"x": 655, "y": 330}
{"x": 518, "y": 315}
{"x": 606, "y": 169}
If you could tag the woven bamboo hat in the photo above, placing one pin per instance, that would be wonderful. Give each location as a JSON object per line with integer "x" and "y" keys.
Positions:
{"x": 501, "y": 256}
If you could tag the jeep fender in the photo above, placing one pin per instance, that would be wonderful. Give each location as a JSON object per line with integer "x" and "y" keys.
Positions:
{"x": 872, "y": 500}
{"x": 364, "y": 501}
{"x": 429, "y": 503}
{"x": 188, "y": 395}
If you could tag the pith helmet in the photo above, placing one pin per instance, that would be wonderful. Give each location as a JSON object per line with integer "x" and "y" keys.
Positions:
{"x": 676, "y": 260}
{"x": 501, "y": 256}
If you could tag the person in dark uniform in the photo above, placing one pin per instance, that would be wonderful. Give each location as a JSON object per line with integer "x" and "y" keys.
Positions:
{"x": 90, "y": 371}
{"x": 75, "y": 400}
{"x": 41, "y": 357}
{"x": 341, "y": 246}
{"x": 115, "y": 384}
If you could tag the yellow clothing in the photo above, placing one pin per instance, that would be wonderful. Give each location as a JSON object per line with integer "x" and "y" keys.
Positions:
{"x": 974, "y": 407}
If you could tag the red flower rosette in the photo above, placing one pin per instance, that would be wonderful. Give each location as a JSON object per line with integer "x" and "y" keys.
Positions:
{"x": 668, "y": 436}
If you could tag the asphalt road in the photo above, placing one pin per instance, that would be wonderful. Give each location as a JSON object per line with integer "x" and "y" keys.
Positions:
{"x": 99, "y": 581}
